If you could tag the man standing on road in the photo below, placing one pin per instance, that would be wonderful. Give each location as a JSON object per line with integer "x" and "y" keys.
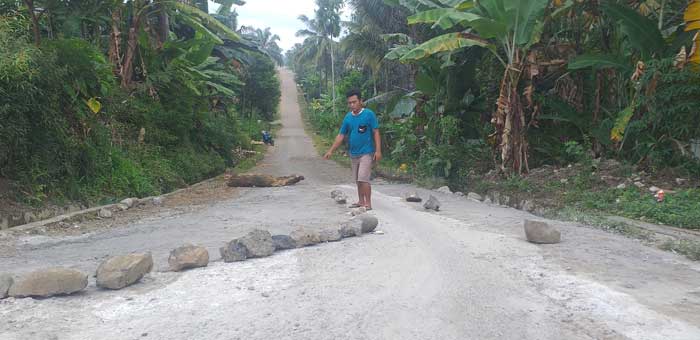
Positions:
{"x": 361, "y": 128}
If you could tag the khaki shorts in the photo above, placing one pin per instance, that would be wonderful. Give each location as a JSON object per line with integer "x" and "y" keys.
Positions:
{"x": 362, "y": 167}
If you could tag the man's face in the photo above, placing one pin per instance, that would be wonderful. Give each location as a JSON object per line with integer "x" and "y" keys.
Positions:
{"x": 355, "y": 104}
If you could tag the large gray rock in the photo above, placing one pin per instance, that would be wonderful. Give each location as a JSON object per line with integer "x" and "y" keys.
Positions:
{"x": 541, "y": 232}
{"x": 5, "y": 283}
{"x": 432, "y": 204}
{"x": 258, "y": 243}
{"x": 351, "y": 228}
{"x": 305, "y": 237}
{"x": 475, "y": 197}
{"x": 234, "y": 251}
{"x": 283, "y": 242}
{"x": 368, "y": 223}
{"x": 49, "y": 282}
{"x": 129, "y": 202}
{"x": 187, "y": 257}
{"x": 330, "y": 235}
{"x": 122, "y": 271}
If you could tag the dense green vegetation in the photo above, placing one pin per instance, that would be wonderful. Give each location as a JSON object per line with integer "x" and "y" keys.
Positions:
{"x": 466, "y": 88}
{"x": 107, "y": 99}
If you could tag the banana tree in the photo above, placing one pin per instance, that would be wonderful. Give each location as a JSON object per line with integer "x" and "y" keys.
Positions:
{"x": 692, "y": 23}
{"x": 506, "y": 28}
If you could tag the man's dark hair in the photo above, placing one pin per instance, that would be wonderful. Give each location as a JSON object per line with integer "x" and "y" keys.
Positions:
{"x": 354, "y": 92}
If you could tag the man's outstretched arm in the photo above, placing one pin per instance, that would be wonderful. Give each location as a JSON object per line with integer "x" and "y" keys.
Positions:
{"x": 377, "y": 146}
{"x": 336, "y": 144}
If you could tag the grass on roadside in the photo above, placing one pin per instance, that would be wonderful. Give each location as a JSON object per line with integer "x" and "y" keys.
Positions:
{"x": 599, "y": 221}
{"x": 250, "y": 162}
{"x": 690, "y": 249}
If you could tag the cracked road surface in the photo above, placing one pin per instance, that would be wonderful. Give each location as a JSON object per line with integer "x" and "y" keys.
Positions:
{"x": 463, "y": 273}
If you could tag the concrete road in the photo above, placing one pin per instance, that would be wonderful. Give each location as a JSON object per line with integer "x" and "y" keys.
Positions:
{"x": 463, "y": 273}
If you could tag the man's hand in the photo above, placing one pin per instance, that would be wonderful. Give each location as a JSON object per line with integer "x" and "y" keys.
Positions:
{"x": 377, "y": 156}
{"x": 328, "y": 155}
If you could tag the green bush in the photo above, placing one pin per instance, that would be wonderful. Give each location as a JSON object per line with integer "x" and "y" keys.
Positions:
{"x": 57, "y": 147}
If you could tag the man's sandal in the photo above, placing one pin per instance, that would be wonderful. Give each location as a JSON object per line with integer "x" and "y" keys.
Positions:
{"x": 355, "y": 205}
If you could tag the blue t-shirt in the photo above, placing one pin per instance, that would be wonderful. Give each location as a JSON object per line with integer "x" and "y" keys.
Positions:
{"x": 360, "y": 131}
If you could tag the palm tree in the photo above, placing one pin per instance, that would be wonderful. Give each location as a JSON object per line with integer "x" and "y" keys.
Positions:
{"x": 366, "y": 45}
{"x": 314, "y": 47}
{"x": 365, "y": 48}
{"x": 320, "y": 33}
{"x": 266, "y": 41}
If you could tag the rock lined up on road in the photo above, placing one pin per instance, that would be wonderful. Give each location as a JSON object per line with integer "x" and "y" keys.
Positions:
{"x": 368, "y": 223}
{"x": 187, "y": 257}
{"x": 104, "y": 213}
{"x": 305, "y": 237}
{"x": 5, "y": 284}
{"x": 122, "y": 271}
{"x": 128, "y": 202}
{"x": 474, "y": 197}
{"x": 158, "y": 200}
{"x": 336, "y": 193}
{"x": 339, "y": 197}
{"x": 358, "y": 211}
{"x": 233, "y": 251}
{"x": 413, "y": 197}
{"x": 432, "y": 204}
{"x": 541, "y": 232}
{"x": 258, "y": 243}
{"x": 261, "y": 181}
{"x": 49, "y": 282}
{"x": 283, "y": 242}
{"x": 330, "y": 235}
{"x": 351, "y": 228}
{"x": 444, "y": 190}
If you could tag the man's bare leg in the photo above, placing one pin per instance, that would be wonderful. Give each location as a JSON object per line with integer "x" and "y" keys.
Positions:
{"x": 360, "y": 195}
{"x": 368, "y": 196}
{"x": 364, "y": 190}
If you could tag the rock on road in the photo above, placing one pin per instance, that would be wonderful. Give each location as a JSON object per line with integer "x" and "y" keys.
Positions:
{"x": 465, "y": 272}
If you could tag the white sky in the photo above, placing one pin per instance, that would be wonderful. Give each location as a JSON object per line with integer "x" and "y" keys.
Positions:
{"x": 280, "y": 15}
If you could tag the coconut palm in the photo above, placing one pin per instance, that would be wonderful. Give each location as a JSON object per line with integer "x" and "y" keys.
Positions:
{"x": 320, "y": 33}
{"x": 266, "y": 42}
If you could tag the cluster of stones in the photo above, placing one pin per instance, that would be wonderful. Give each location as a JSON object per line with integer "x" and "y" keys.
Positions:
{"x": 260, "y": 243}
{"x": 535, "y": 231}
{"x": 118, "y": 272}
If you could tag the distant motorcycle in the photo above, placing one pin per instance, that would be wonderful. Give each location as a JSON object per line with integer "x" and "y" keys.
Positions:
{"x": 267, "y": 138}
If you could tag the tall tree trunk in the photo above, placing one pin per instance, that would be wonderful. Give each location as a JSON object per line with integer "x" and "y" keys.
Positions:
{"x": 131, "y": 46}
{"x": 35, "y": 21}
{"x": 509, "y": 122}
{"x": 163, "y": 23}
{"x": 333, "y": 76}
{"x": 115, "y": 43}
{"x": 374, "y": 82}
{"x": 320, "y": 80}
